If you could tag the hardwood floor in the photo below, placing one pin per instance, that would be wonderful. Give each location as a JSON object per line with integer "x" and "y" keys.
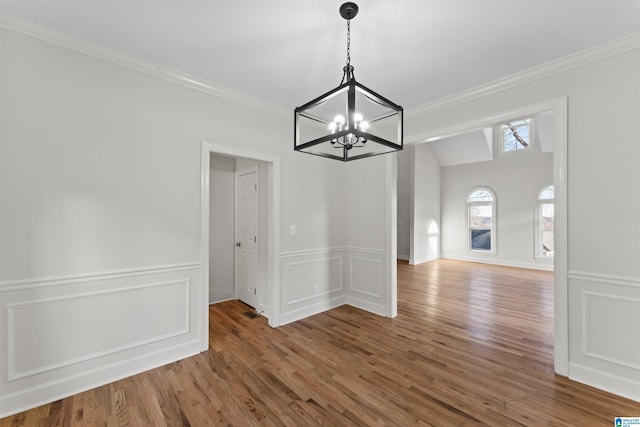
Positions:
{"x": 472, "y": 345}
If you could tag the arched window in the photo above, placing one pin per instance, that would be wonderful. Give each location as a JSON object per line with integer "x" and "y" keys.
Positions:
{"x": 544, "y": 226}
{"x": 481, "y": 220}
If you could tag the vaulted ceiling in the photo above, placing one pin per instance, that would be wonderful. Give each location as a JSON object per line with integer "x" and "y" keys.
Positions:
{"x": 286, "y": 52}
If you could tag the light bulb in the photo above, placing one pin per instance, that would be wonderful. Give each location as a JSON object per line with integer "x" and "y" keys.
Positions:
{"x": 339, "y": 119}
{"x": 332, "y": 127}
{"x": 364, "y": 126}
{"x": 357, "y": 117}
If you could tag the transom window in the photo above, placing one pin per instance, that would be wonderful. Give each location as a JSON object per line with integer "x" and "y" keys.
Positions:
{"x": 481, "y": 220}
{"x": 545, "y": 227}
{"x": 516, "y": 135}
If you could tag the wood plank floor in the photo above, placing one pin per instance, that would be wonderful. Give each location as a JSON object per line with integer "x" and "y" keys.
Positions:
{"x": 472, "y": 345}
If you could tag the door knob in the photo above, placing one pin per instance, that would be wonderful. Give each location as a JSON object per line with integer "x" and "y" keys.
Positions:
{"x": 238, "y": 244}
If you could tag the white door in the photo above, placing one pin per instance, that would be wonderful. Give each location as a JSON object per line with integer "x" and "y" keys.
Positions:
{"x": 246, "y": 259}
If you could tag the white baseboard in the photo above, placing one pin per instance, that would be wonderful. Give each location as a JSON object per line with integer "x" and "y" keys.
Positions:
{"x": 312, "y": 309}
{"x": 369, "y": 306}
{"x": 605, "y": 381}
{"x": 421, "y": 260}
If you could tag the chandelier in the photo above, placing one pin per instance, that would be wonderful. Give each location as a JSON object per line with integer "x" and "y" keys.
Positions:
{"x": 351, "y": 121}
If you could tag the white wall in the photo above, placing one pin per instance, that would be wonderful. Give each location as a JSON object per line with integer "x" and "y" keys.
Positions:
{"x": 603, "y": 273}
{"x": 426, "y": 231}
{"x": 516, "y": 179}
{"x": 100, "y": 219}
{"x": 221, "y": 229}
{"x": 100, "y": 226}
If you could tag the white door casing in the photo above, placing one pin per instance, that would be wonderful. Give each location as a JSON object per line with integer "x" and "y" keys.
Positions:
{"x": 246, "y": 231}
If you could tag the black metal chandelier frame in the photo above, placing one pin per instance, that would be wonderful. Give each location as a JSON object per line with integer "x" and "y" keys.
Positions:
{"x": 352, "y": 132}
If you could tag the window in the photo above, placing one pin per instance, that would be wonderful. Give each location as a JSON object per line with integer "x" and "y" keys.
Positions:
{"x": 481, "y": 220}
{"x": 544, "y": 233}
{"x": 517, "y": 135}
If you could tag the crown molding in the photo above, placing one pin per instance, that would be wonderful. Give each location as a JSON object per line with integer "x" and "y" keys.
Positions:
{"x": 138, "y": 64}
{"x": 160, "y": 71}
{"x": 566, "y": 63}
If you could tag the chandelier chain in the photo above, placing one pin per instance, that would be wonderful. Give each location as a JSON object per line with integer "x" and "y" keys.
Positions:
{"x": 348, "y": 42}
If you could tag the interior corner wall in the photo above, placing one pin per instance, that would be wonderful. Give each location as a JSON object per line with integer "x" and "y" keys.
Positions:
{"x": 603, "y": 273}
{"x": 354, "y": 266}
{"x": 100, "y": 250}
{"x": 426, "y": 226}
{"x": 516, "y": 180}
{"x": 221, "y": 228}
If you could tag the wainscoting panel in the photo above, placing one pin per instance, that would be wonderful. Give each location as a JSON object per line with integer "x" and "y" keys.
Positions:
{"x": 312, "y": 282}
{"x": 65, "y": 335}
{"x": 604, "y": 349}
{"x": 366, "y": 277}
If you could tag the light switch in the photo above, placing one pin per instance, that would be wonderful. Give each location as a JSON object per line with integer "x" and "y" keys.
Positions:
{"x": 292, "y": 230}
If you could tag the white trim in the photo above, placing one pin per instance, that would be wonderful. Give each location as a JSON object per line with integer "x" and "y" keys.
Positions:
{"x": 370, "y": 251}
{"x": 622, "y": 386}
{"x": 319, "y": 251}
{"x": 391, "y": 232}
{"x": 313, "y": 309}
{"x": 273, "y": 227}
{"x": 37, "y": 282}
{"x": 561, "y": 224}
{"x": 418, "y": 261}
{"x": 597, "y": 53}
{"x": 141, "y": 65}
{"x": 367, "y": 305}
{"x": 604, "y": 278}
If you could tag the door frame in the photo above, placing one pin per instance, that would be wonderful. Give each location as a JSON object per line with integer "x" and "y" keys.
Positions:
{"x": 272, "y": 232}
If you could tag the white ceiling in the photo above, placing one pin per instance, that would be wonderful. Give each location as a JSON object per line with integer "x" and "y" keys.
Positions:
{"x": 287, "y": 52}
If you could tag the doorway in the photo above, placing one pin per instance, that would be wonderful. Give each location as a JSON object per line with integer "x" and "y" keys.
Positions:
{"x": 268, "y": 240}
{"x": 558, "y": 109}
